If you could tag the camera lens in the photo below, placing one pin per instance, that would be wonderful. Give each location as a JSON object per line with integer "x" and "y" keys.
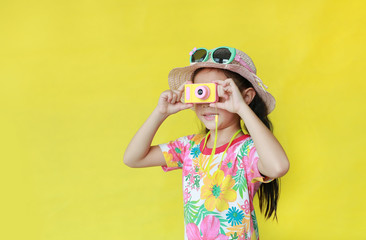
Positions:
{"x": 202, "y": 92}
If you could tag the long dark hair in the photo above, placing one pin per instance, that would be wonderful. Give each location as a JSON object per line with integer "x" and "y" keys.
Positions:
{"x": 268, "y": 193}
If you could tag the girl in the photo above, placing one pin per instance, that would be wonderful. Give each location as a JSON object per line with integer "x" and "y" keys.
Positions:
{"x": 223, "y": 169}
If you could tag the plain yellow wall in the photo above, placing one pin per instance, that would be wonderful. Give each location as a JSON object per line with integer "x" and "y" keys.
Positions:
{"x": 78, "y": 78}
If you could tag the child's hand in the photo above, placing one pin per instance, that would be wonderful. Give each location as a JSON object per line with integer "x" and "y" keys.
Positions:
{"x": 230, "y": 97}
{"x": 170, "y": 101}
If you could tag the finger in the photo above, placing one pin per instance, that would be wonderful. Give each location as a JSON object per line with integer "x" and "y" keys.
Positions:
{"x": 229, "y": 80}
{"x": 231, "y": 85}
{"x": 182, "y": 106}
{"x": 181, "y": 87}
{"x": 179, "y": 94}
{"x": 217, "y": 105}
{"x": 225, "y": 97}
{"x": 219, "y": 82}
{"x": 227, "y": 89}
{"x": 170, "y": 96}
{"x": 220, "y": 90}
{"x": 174, "y": 98}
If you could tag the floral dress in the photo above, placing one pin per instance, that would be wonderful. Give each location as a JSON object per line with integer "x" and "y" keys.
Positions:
{"x": 218, "y": 203}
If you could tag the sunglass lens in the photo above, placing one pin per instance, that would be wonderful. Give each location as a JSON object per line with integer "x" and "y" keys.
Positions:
{"x": 221, "y": 55}
{"x": 199, "y": 55}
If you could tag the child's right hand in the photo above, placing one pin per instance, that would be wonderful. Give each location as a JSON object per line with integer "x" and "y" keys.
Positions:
{"x": 170, "y": 101}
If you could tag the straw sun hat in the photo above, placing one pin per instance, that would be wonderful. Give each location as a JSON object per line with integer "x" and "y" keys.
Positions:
{"x": 242, "y": 64}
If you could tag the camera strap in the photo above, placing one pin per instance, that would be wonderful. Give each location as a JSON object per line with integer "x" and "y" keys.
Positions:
{"x": 207, "y": 169}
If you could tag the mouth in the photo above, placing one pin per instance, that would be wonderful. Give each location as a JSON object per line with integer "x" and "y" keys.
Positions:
{"x": 210, "y": 116}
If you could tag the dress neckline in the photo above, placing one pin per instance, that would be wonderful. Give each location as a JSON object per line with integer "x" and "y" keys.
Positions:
{"x": 208, "y": 151}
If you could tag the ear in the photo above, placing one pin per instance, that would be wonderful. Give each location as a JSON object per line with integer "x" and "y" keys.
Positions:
{"x": 248, "y": 95}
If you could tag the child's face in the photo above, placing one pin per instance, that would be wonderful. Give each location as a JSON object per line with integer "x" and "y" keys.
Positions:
{"x": 206, "y": 113}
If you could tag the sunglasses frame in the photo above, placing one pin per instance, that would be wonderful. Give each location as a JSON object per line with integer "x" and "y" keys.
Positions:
{"x": 232, "y": 57}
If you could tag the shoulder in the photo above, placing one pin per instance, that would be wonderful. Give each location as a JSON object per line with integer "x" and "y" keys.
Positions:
{"x": 191, "y": 139}
{"x": 196, "y": 138}
{"x": 244, "y": 141}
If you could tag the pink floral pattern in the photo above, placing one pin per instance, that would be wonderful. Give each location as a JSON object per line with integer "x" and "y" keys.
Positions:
{"x": 176, "y": 148}
{"x": 218, "y": 204}
{"x": 245, "y": 207}
{"x": 228, "y": 165}
{"x": 186, "y": 195}
{"x": 210, "y": 227}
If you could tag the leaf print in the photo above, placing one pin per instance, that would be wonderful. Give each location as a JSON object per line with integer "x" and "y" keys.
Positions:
{"x": 255, "y": 223}
{"x": 240, "y": 182}
{"x": 190, "y": 211}
{"x": 180, "y": 164}
{"x": 188, "y": 177}
{"x": 192, "y": 144}
{"x": 234, "y": 236}
{"x": 197, "y": 179}
{"x": 244, "y": 149}
{"x": 202, "y": 161}
{"x": 240, "y": 230}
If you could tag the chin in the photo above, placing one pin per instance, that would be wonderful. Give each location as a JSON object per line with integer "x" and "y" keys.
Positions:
{"x": 210, "y": 126}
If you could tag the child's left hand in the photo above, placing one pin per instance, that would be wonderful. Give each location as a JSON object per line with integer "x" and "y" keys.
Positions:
{"x": 230, "y": 98}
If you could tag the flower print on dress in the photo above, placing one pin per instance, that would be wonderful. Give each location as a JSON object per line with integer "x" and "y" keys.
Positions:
{"x": 201, "y": 163}
{"x": 187, "y": 167}
{"x": 236, "y": 232}
{"x": 245, "y": 207}
{"x": 248, "y": 161}
{"x": 177, "y": 149}
{"x": 234, "y": 216}
{"x": 210, "y": 227}
{"x": 229, "y": 165}
{"x": 186, "y": 195}
{"x": 217, "y": 190}
{"x": 169, "y": 158}
{"x": 190, "y": 137}
{"x": 196, "y": 139}
{"x": 195, "y": 151}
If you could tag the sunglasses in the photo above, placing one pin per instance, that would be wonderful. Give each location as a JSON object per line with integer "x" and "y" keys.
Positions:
{"x": 223, "y": 55}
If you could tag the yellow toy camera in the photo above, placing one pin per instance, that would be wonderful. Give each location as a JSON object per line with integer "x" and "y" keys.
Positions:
{"x": 200, "y": 93}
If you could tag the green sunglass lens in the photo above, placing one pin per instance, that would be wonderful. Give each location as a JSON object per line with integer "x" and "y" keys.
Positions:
{"x": 199, "y": 55}
{"x": 221, "y": 55}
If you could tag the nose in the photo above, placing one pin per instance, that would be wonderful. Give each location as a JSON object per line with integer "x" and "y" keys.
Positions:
{"x": 205, "y": 105}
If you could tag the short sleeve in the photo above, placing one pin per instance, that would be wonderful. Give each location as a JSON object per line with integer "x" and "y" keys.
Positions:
{"x": 250, "y": 160}
{"x": 253, "y": 176}
{"x": 175, "y": 152}
{"x": 257, "y": 176}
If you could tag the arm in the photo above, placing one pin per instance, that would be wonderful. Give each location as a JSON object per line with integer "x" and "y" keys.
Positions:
{"x": 139, "y": 152}
{"x": 272, "y": 161}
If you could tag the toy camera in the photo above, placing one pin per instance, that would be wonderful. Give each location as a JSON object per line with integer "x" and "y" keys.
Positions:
{"x": 200, "y": 93}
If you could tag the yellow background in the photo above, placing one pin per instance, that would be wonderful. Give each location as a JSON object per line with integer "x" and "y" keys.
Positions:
{"x": 78, "y": 78}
